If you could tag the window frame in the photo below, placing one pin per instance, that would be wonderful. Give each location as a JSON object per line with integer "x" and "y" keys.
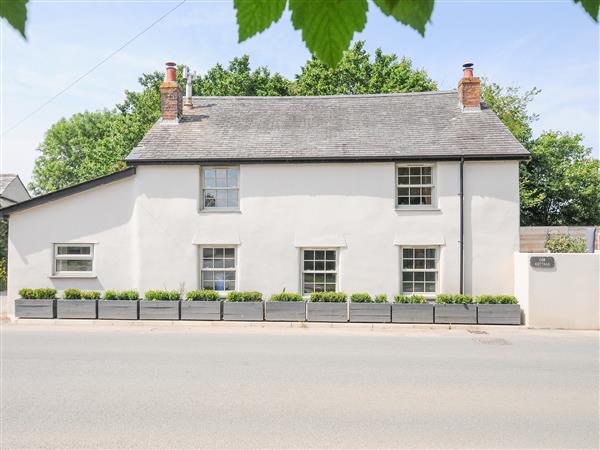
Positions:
{"x": 436, "y": 270}
{"x": 56, "y": 257}
{"x": 432, "y": 185}
{"x": 202, "y": 207}
{"x": 201, "y": 268}
{"x": 303, "y": 272}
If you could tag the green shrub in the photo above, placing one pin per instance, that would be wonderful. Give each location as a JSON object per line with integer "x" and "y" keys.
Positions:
{"x": 454, "y": 299}
{"x": 71, "y": 294}
{"x": 162, "y": 295}
{"x": 286, "y": 297}
{"x": 328, "y": 297}
{"x": 38, "y": 294}
{"x": 3, "y": 274}
{"x": 206, "y": 295}
{"x": 111, "y": 295}
{"x": 26, "y": 293}
{"x": 90, "y": 295}
{"x": 497, "y": 299}
{"x": 380, "y": 298}
{"x": 361, "y": 298}
{"x": 401, "y": 298}
{"x": 563, "y": 243}
{"x": 121, "y": 295}
{"x": 244, "y": 297}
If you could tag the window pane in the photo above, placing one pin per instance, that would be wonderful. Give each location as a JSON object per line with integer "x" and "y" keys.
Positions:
{"x": 402, "y": 170}
{"x": 319, "y": 255}
{"x": 419, "y": 287}
{"x": 407, "y": 276}
{"x": 403, "y": 200}
{"x": 309, "y": 265}
{"x": 415, "y": 170}
{"x": 429, "y": 287}
{"x": 415, "y": 201}
{"x": 407, "y": 253}
{"x": 426, "y": 200}
{"x": 219, "y": 252}
{"x": 426, "y": 179}
{"x": 232, "y": 198}
{"x": 415, "y": 179}
{"x": 229, "y": 263}
{"x": 207, "y": 275}
{"x": 73, "y": 265}
{"x": 419, "y": 276}
{"x": 209, "y": 198}
{"x": 221, "y": 199}
{"x": 219, "y": 263}
{"x": 330, "y": 278}
{"x": 330, "y": 255}
{"x": 407, "y": 287}
{"x": 229, "y": 252}
{"x": 309, "y": 277}
{"x": 426, "y": 170}
{"x": 429, "y": 276}
{"x": 232, "y": 178}
{"x": 230, "y": 276}
{"x": 330, "y": 265}
{"x": 407, "y": 263}
{"x": 419, "y": 263}
{"x": 319, "y": 265}
{"x": 430, "y": 264}
{"x": 207, "y": 285}
{"x": 209, "y": 178}
{"x": 403, "y": 191}
{"x": 73, "y": 250}
{"x": 330, "y": 288}
{"x": 403, "y": 180}
{"x": 430, "y": 252}
{"x": 207, "y": 263}
{"x": 309, "y": 254}
{"x": 319, "y": 277}
{"x": 419, "y": 253}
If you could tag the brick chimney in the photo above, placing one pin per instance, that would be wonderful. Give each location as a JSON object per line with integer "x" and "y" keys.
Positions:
{"x": 469, "y": 90}
{"x": 171, "y": 102}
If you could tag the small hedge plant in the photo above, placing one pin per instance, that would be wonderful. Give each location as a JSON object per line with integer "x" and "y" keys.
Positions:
{"x": 90, "y": 295}
{"x": 162, "y": 295}
{"x": 459, "y": 299}
{"x": 206, "y": 295}
{"x": 380, "y": 298}
{"x": 563, "y": 243}
{"x": 361, "y": 298}
{"x": 497, "y": 299}
{"x": 121, "y": 295}
{"x": 401, "y": 298}
{"x": 38, "y": 294}
{"x": 328, "y": 297}
{"x": 286, "y": 297}
{"x": 244, "y": 297}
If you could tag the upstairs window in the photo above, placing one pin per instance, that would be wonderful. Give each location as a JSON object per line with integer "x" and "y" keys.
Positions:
{"x": 220, "y": 188}
{"x": 73, "y": 258}
{"x": 414, "y": 185}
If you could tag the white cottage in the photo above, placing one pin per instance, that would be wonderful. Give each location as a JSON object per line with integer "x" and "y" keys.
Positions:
{"x": 412, "y": 193}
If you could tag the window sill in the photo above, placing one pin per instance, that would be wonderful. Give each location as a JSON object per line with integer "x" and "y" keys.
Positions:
{"x": 211, "y": 211}
{"x": 74, "y": 275}
{"x": 416, "y": 208}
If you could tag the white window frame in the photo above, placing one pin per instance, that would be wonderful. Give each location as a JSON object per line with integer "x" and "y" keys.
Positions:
{"x": 304, "y": 272}
{"x": 204, "y": 208}
{"x": 228, "y": 269}
{"x": 432, "y": 185}
{"x": 56, "y": 257}
{"x": 436, "y": 270}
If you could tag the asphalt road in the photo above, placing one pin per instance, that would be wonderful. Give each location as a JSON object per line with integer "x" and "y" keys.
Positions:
{"x": 161, "y": 387}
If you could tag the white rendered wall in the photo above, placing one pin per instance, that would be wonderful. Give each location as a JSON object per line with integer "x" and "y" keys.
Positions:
{"x": 148, "y": 228}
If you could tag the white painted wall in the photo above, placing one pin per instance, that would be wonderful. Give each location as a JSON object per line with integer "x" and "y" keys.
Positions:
{"x": 148, "y": 228}
{"x": 566, "y": 296}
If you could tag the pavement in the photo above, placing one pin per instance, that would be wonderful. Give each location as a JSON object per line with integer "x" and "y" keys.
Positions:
{"x": 72, "y": 385}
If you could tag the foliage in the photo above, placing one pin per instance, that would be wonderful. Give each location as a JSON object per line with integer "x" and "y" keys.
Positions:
{"x": 162, "y": 295}
{"x": 40, "y": 293}
{"x": 71, "y": 294}
{"x": 497, "y": 299}
{"x": 15, "y": 13}
{"x": 3, "y": 238}
{"x": 560, "y": 184}
{"x": 563, "y": 243}
{"x": 357, "y": 74}
{"x": 203, "y": 296}
{"x": 328, "y": 297}
{"x": 380, "y": 298}
{"x": 454, "y": 299}
{"x": 401, "y": 298}
{"x": 361, "y": 298}
{"x": 90, "y": 295}
{"x": 121, "y": 295}
{"x": 286, "y": 297}
{"x": 244, "y": 297}
{"x": 3, "y": 274}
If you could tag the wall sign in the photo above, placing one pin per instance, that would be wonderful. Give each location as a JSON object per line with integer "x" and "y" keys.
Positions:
{"x": 542, "y": 262}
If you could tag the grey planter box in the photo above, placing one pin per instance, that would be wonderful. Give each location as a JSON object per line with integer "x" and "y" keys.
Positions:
{"x": 159, "y": 309}
{"x": 200, "y": 310}
{"x": 455, "y": 313}
{"x": 243, "y": 311}
{"x": 76, "y": 309}
{"x": 370, "y": 312}
{"x": 326, "y": 312}
{"x": 412, "y": 313}
{"x": 499, "y": 314}
{"x": 285, "y": 311}
{"x": 35, "y": 308}
{"x": 118, "y": 309}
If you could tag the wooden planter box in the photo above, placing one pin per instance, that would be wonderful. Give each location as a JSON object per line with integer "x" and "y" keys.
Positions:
{"x": 118, "y": 309}
{"x": 76, "y": 309}
{"x": 326, "y": 312}
{"x": 159, "y": 309}
{"x": 35, "y": 308}
{"x": 370, "y": 312}
{"x": 285, "y": 311}
{"x": 499, "y": 314}
{"x": 455, "y": 313}
{"x": 200, "y": 310}
{"x": 412, "y": 313}
{"x": 243, "y": 311}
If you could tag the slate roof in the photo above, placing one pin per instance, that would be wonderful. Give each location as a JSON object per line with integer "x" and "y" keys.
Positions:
{"x": 5, "y": 180}
{"x": 359, "y": 127}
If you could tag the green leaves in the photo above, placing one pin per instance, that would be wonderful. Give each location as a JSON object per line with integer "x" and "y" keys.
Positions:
{"x": 591, "y": 7}
{"x": 15, "y": 12}
{"x": 414, "y": 13}
{"x": 255, "y": 16}
{"x": 328, "y": 26}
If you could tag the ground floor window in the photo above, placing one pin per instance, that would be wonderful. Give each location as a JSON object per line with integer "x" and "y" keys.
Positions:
{"x": 73, "y": 258}
{"x": 419, "y": 270}
{"x": 218, "y": 268}
{"x": 319, "y": 270}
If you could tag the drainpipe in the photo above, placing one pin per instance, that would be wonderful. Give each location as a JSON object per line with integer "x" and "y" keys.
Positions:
{"x": 462, "y": 225}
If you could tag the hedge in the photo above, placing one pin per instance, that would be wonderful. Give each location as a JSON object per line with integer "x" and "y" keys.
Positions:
{"x": 162, "y": 295}
{"x": 497, "y": 299}
{"x": 328, "y": 297}
{"x": 38, "y": 294}
{"x": 454, "y": 299}
{"x": 361, "y": 298}
{"x": 90, "y": 295}
{"x": 205, "y": 295}
{"x": 244, "y": 297}
{"x": 381, "y": 298}
{"x": 121, "y": 295}
{"x": 286, "y": 297}
{"x": 401, "y": 298}
{"x": 71, "y": 294}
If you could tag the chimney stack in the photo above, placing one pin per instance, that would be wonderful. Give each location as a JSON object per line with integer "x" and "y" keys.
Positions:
{"x": 171, "y": 102}
{"x": 469, "y": 90}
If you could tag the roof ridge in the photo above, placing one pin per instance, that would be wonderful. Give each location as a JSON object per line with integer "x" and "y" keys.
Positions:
{"x": 336, "y": 96}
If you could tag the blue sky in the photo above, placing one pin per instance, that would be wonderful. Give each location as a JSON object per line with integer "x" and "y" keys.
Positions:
{"x": 552, "y": 45}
